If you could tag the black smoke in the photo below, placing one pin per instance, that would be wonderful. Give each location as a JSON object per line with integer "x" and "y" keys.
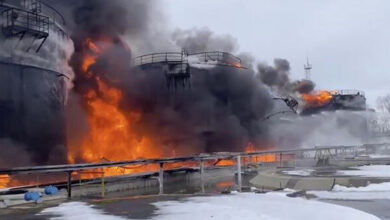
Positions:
{"x": 277, "y": 77}
{"x": 203, "y": 39}
{"x": 223, "y": 109}
{"x": 305, "y": 86}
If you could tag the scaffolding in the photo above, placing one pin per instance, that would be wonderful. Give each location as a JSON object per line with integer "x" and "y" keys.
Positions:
{"x": 18, "y": 22}
{"x": 174, "y": 65}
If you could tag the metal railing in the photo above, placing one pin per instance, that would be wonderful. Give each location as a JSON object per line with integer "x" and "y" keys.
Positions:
{"x": 214, "y": 57}
{"x": 18, "y": 20}
{"x": 238, "y": 157}
{"x": 348, "y": 92}
{"x": 167, "y": 57}
{"x": 217, "y": 56}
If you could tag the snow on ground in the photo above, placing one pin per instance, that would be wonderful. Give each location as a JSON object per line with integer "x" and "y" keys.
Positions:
{"x": 372, "y": 191}
{"x": 374, "y": 187}
{"x": 302, "y": 172}
{"x": 369, "y": 171}
{"x": 364, "y": 171}
{"x": 379, "y": 156}
{"x": 249, "y": 206}
{"x": 255, "y": 206}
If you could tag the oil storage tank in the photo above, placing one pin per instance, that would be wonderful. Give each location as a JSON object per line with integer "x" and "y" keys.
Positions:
{"x": 34, "y": 48}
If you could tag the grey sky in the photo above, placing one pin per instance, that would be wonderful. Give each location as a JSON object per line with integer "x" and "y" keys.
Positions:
{"x": 347, "y": 41}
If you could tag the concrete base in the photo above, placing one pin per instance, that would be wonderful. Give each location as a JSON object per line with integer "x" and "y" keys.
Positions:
{"x": 275, "y": 179}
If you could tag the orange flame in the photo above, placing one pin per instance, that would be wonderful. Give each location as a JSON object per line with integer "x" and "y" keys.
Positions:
{"x": 224, "y": 185}
{"x": 318, "y": 98}
{"x": 112, "y": 133}
{"x": 265, "y": 158}
{"x": 4, "y": 181}
{"x": 223, "y": 163}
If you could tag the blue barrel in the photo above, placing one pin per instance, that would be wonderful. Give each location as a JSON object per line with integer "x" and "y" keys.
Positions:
{"x": 31, "y": 196}
{"x": 51, "y": 190}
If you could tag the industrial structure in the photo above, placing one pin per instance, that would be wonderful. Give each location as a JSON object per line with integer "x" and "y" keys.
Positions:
{"x": 32, "y": 90}
{"x": 307, "y": 67}
{"x": 242, "y": 164}
{"x": 351, "y": 100}
{"x": 176, "y": 66}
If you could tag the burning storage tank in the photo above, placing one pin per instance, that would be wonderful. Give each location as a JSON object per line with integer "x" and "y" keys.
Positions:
{"x": 205, "y": 102}
{"x": 351, "y": 100}
{"x": 33, "y": 77}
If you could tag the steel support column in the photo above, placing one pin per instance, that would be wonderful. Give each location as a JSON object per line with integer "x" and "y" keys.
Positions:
{"x": 202, "y": 176}
{"x": 69, "y": 184}
{"x": 239, "y": 180}
{"x": 161, "y": 178}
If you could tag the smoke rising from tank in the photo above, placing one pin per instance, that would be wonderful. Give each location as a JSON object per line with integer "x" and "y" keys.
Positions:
{"x": 221, "y": 112}
{"x": 225, "y": 108}
{"x": 277, "y": 78}
{"x": 199, "y": 40}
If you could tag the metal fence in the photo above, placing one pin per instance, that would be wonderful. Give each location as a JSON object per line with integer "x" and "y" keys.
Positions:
{"x": 348, "y": 92}
{"x": 238, "y": 158}
{"x": 18, "y": 20}
{"x": 214, "y": 57}
{"x": 168, "y": 57}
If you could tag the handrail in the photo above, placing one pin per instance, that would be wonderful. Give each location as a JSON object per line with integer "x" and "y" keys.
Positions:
{"x": 55, "y": 11}
{"x": 222, "y": 58}
{"x": 49, "y": 10}
{"x": 26, "y": 19}
{"x": 161, "y": 57}
{"x": 201, "y": 157}
{"x": 218, "y": 53}
{"x": 348, "y": 92}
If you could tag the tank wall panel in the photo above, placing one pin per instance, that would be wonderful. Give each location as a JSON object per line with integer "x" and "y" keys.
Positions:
{"x": 32, "y": 110}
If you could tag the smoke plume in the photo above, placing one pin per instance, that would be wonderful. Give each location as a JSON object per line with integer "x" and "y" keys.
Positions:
{"x": 277, "y": 77}
{"x": 199, "y": 40}
{"x": 223, "y": 108}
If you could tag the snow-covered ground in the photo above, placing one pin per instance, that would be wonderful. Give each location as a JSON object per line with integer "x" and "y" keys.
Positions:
{"x": 374, "y": 156}
{"x": 301, "y": 172}
{"x": 275, "y": 205}
{"x": 249, "y": 206}
{"x": 369, "y": 171}
{"x": 372, "y": 191}
{"x": 364, "y": 171}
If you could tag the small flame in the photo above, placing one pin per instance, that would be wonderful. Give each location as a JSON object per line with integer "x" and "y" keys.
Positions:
{"x": 318, "y": 98}
{"x": 223, "y": 163}
{"x": 224, "y": 185}
{"x": 4, "y": 181}
{"x": 237, "y": 65}
{"x": 88, "y": 61}
{"x": 265, "y": 158}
